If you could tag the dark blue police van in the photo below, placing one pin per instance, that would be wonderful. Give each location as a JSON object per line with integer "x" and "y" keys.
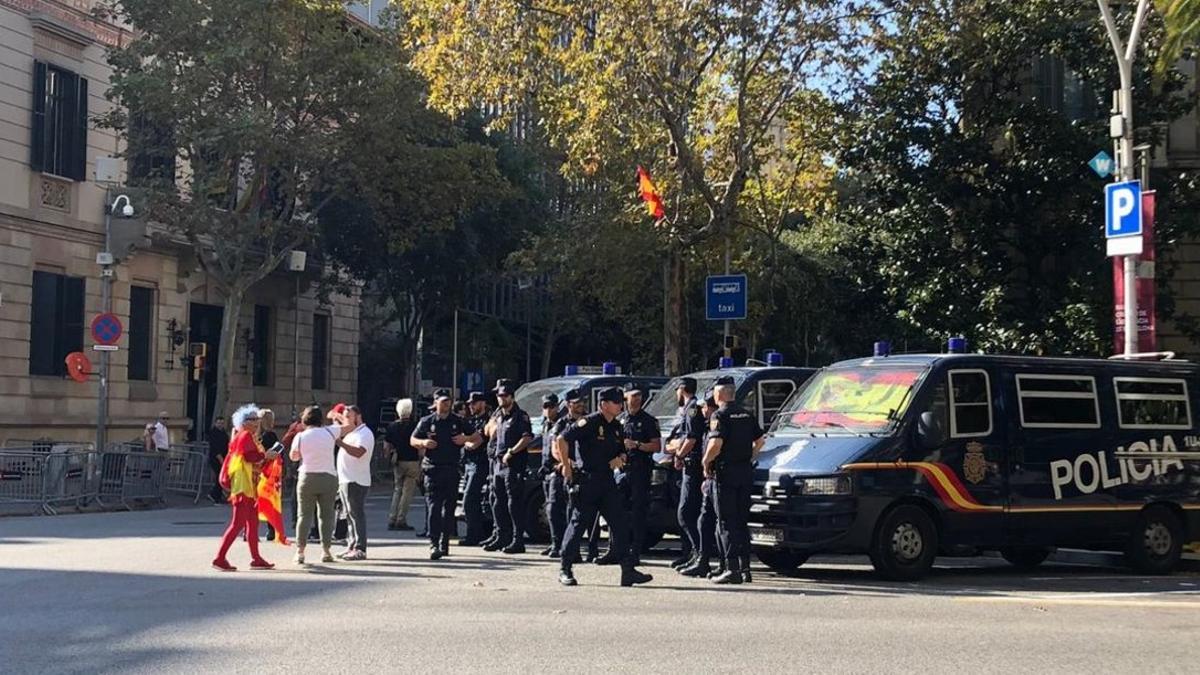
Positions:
{"x": 907, "y": 457}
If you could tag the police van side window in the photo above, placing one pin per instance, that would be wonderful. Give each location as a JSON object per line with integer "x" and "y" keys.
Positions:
{"x": 970, "y": 403}
{"x": 1058, "y": 402}
{"x": 772, "y": 394}
{"x": 1152, "y": 403}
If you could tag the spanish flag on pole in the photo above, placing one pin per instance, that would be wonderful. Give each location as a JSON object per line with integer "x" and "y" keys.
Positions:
{"x": 650, "y": 195}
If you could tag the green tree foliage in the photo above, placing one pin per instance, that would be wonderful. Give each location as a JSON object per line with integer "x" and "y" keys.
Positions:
{"x": 966, "y": 205}
{"x": 260, "y": 102}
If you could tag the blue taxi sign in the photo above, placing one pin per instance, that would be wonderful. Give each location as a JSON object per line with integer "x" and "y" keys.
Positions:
{"x": 725, "y": 297}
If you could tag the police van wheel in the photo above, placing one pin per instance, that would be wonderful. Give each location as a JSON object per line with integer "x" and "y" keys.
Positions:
{"x": 1026, "y": 557}
{"x": 781, "y": 560}
{"x": 905, "y": 545}
{"x": 1156, "y": 542}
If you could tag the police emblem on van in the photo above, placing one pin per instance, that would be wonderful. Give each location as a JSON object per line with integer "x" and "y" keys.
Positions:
{"x": 974, "y": 463}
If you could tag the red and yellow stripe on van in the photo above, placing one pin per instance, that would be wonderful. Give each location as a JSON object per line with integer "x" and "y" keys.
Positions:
{"x": 956, "y": 496}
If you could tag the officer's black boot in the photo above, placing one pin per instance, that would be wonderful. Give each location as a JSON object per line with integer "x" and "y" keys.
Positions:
{"x": 630, "y": 575}
{"x": 700, "y": 568}
{"x": 746, "y": 578}
{"x": 555, "y": 553}
{"x": 609, "y": 558}
{"x": 690, "y": 561}
{"x": 435, "y": 553}
{"x": 732, "y": 575}
{"x": 496, "y": 545}
{"x": 684, "y": 560}
{"x": 718, "y": 570}
{"x": 566, "y": 578}
{"x": 546, "y": 551}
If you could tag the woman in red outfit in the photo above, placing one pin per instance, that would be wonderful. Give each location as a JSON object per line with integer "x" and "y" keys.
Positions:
{"x": 239, "y": 475}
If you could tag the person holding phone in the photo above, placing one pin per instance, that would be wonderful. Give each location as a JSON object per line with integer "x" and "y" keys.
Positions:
{"x": 239, "y": 475}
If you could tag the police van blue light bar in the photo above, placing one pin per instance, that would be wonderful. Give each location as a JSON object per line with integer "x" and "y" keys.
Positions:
{"x": 957, "y": 345}
{"x": 774, "y": 359}
{"x": 609, "y": 368}
{"x": 725, "y": 362}
{"x": 883, "y": 348}
{"x": 571, "y": 371}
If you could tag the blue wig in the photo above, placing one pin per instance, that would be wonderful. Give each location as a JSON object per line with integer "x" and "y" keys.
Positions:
{"x": 239, "y": 415}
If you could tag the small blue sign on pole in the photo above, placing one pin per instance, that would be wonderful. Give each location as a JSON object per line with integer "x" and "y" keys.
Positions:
{"x": 472, "y": 380}
{"x": 725, "y": 297}
{"x": 1102, "y": 164}
{"x": 1123, "y": 218}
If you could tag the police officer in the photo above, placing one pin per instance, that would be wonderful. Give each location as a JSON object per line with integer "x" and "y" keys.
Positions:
{"x": 734, "y": 440}
{"x": 553, "y": 490}
{"x": 684, "y": 444}
{"x": 642, "y": 440}
{"x": 475, "y": 466}
{"x": 576, "y": 410}
{"x": 710, "y": 543}
{"x": 600, "y": 450}
{"x": 511, "y": 436}
{"x": 440, "y": 438}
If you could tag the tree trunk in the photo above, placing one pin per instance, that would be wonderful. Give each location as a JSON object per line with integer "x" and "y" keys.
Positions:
{"x": 226, "y": 349}
{"x": 548, "y": 343}
{"x": 674, "y": 313}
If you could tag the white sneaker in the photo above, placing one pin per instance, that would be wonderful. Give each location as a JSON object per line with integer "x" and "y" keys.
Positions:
{"x": 299, "y": 559}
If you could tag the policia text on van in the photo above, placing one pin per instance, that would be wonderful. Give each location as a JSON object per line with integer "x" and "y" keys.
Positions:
{"x": 908, "y": 457}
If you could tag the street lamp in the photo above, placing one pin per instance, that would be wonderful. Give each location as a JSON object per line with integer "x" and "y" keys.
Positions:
{"x": 106, "y": 261}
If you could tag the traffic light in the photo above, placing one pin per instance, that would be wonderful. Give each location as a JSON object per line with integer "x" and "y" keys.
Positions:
{"x": 197, "y": 368}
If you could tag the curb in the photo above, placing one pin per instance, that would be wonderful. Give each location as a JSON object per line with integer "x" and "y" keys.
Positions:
{"x": 1189, "y": 563}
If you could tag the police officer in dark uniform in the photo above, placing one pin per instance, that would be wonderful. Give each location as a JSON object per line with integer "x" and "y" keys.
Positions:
{"x": 576, "y": 410}
{"x": 710, "y": 542}
{"x": 553, "y": 490}
{"x": 440, "y": 438}
{"x": 512, "y": 432}
{"x": 475, "y": 466}
{"x": 685, "y": 444}
{"x": 734, "y": 440}
{"x": 642, "y": 440}
{"x": 600, "y": 450}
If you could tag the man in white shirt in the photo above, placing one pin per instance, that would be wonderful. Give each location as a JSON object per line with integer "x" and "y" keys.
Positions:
{"x": 354, "y": 477}
{"x": 162, "y": 439}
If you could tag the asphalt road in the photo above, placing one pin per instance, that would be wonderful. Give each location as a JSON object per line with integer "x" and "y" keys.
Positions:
{"x": 133, "y": 592}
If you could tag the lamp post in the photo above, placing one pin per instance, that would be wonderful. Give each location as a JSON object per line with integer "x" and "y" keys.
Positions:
{"x": 106, "y": 261}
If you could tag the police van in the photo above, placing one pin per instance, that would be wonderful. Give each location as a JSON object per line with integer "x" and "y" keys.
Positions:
{"x": 590, "y": 380}
{"x": 907, "y": 457}
{"x": 762, "y": 387}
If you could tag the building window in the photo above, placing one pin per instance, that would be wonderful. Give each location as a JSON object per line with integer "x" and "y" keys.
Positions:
{"x": 320, "y": 352}
{"x": 151, "y": 152}
{"x": 262, "y": 346}
{"x": 60, "y": 124}
{"x": 56, "y": 322}
{"x": 141, "y": 327}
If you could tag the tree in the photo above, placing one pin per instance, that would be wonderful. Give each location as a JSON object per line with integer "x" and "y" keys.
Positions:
{"x": 966, "y": 204}
{"x": 257, "y": 100}
{"x": 1181, "y": 22}
{"x": 693, "y": 89}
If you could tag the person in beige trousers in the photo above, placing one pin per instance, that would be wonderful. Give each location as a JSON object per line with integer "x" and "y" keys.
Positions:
{"x": 406, "y": 464}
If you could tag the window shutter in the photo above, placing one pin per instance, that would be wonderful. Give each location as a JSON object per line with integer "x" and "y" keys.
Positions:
{"x": 78, "y": 165}
{"x": 37, "y": 135}
{"x": 43, "y": 312}
{"x": 72, "y": 317}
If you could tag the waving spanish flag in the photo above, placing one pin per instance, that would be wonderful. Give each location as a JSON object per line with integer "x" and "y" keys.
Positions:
{"x": 650, "y": 195}
{"x": 270, "y": 501}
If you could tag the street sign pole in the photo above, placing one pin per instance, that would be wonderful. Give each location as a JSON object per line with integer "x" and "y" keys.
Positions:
{"x": 725, "y": 336}
{"x": 1121, "y": 128}
{"x": 106, "y": 274}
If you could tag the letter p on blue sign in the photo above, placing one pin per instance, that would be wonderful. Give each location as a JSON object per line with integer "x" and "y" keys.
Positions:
{"x": 1123, "y": 218}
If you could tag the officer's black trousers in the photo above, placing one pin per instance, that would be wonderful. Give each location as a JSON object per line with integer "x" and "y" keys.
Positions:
{"x": 441, "y": 493}
{"x": 733, "y": 504}
{"x": 634, "y": 483}
{"x": 556, "y": 507}
{"x": 596, "y": 494}
{"x": 477, "y": 475}
{"x": 710, "y": 543}
{"x": 508, "y": 488}
{"x": 690, "y": 498}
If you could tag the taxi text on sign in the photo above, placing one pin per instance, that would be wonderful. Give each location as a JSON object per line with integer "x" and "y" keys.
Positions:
{"x": 725, "y": 297}
{"x": 1123, "y": 218}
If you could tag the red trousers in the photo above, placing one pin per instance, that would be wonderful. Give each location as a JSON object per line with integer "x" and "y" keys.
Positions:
{"x": 244, "y": 517}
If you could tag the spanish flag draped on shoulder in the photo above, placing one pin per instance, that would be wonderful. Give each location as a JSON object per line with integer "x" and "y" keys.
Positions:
{"x": 650, "y": 195}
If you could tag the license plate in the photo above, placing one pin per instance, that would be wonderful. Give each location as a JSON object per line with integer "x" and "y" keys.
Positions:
{"x": 767, "y": 535}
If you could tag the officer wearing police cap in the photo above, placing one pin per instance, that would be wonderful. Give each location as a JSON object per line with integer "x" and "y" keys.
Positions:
{"x": 685, "y": 444}
{"x": 734, "y": 439}
{"x": 642, "y": 440}
{"x": 475, "y": 467}
{"x": 589, "y": 473}
{"x": 512, "y": 432}
{"x": 440, "y": 437}
{"x": 554, "y": 493}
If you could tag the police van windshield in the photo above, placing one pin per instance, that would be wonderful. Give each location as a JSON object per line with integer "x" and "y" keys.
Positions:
{"x": 529, "y": 395}
{"x": 665, "y": 407}
{"x": 851, "y": 400}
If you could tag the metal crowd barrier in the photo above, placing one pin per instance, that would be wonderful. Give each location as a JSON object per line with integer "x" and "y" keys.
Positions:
{"x": 129, "y": 474}
{"x": 187, "y": 470}
{"x": 22, "y": 478}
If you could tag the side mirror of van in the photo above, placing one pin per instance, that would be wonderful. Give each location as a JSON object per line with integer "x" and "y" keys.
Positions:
{"x": 930, "y": 433}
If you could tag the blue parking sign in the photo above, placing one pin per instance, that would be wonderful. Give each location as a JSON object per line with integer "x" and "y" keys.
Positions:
{"x": 725, "y": 297}
{"x": 1123, "y": 209}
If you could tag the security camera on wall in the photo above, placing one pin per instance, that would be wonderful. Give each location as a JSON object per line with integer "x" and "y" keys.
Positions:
{"x": 297, "y": 261}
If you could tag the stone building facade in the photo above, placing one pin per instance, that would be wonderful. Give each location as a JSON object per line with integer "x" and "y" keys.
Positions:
{"x": 52, "y": 82}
